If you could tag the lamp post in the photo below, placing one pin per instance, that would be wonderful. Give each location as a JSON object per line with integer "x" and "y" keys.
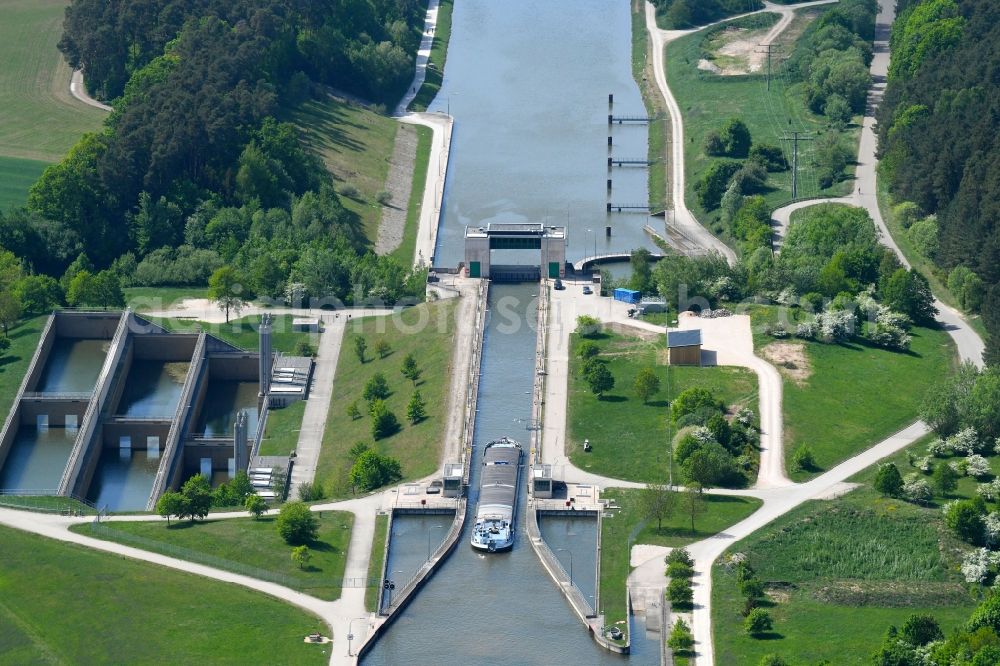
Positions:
{"x": 567, "y": 550}
{"x": 432, "y": 527}
{"x": 350, "y": 633}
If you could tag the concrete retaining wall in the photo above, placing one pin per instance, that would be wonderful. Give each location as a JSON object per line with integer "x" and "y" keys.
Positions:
{"x": 79, "y": 468}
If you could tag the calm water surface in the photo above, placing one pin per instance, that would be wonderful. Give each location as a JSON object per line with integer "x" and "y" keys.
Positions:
{"x": 37, "y": 459}
{"x": 72, "y": 366}
{"x": 528, "y": 84}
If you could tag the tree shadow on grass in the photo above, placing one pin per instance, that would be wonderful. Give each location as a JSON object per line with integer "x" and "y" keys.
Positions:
{"x": 768, "y": 636}
{"x": 613, "y": 398}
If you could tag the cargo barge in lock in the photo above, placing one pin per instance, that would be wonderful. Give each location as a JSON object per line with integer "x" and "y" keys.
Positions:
{"x": 494, "y": 529}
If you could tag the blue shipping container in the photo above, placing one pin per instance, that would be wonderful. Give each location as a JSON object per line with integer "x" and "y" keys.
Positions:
{"x": 627, "y": 295}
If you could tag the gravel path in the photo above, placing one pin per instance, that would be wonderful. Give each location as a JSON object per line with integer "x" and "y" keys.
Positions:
{"x": 399, "y": 184}
{"x": 79, "y": 91}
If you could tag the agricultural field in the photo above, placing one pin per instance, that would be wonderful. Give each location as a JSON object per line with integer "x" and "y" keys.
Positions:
{"x": 629, "y": 438}
{"x": 17, "y": 175}
{"x": 417, "y": 447}
{"x": 41, "y": 120}
{"x": 69, "y": 604}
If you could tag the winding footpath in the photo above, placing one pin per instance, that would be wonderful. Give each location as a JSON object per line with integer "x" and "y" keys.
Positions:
{"x": 79, "y": 91}
{"x": 778, "y": 501}
{"x": 441, "y": 125}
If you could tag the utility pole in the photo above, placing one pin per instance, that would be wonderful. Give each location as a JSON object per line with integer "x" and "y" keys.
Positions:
{"x": 769, "y": 49}
{"x": 795, "y": 138}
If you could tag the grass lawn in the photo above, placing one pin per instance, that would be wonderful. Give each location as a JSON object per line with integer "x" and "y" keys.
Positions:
{"x": 281, "y": 435}
{"x": 242, "y": 332}
{"x": 628, "y": 527}
{"x": 417, "y": 447}
{"x": 376, "y": 561}
{"x": 438, "y": 56}
{"x": 17, "y": 175}
{"x": 160, "y": 298}
{"x": 847, "y": 567}
{"x": 708, "y": 100}
{"x": 236, "y": 544}
{"x": 41, "y": 120}
{"x": 629, "y": 438}
{"x": 14, "y": 362}
{"x": 642, "y": 72}
{"x": 47, "y": 504}
{"x": 857, "y": 395}
{"x": 62, "y": 603}
{"x": 936, "y": 276}
{"x": 355, "y": 144}
{"x": 404, "y": 253}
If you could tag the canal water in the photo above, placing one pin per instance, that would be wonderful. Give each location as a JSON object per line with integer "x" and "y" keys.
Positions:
{"x": 38, "y": 458}
{"x": 528, "y": 84}
{"x": 123, "y": 479}
{"x": 501, "y": 608}
{"x": 72, "y": 366}
{"x": 223, "y": 400}
{"x": 152, "y": 389}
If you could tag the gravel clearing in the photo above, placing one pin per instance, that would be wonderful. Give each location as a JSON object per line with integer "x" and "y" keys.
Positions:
{"x": 398, "y": 183}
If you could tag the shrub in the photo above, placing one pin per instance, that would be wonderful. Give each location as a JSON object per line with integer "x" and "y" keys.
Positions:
{"x": 918, "y": 491}
{"x": 802, "y": 459}
{"x": 377, "y": 387}
{"x": 296, "y": 524}
{"x": 384, "y": 422}
{"x": 888, "y": 480}
{"x": 587, "y": 349}
{"x": 372, "y": 470}
{"x": 772, "y": 660}
{"x": 681, "y": 639}
{"x": 384, "y": 198}
{"x": 921, "y": 630}
{"x": 977, "y": 466}
{"x": 680, "y": 593}
{"x": 349, "y": 191}
{"x": 757, "y": 622}
{"x": 587, "y": 326}
{"x": 770, "y": 156}
{"x": 680, "y": 555}
{"x": 679, "y": 570}
{"x": 966, "y": 519}
{"x": 304, "y": 348}
{"x": 713, "y": 183}
{"x": 310, "y": 491}
{"x": 691, "y": 400}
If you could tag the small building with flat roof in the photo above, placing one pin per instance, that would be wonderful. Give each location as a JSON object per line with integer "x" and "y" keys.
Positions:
{"x": 684, "y": 347}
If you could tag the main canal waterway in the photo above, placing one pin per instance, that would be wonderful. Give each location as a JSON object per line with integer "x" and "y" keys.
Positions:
{"x": 528, "y": 86}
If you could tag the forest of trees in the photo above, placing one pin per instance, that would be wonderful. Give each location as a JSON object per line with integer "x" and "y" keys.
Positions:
{"x": 193, "y": 170}
{"x": 677, "y": 14}
{"x": 940, "y": 147}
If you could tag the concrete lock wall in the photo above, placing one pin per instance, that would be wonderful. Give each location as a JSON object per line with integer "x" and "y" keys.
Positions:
{"x": 165, "y": 347}
{"x": 87, "y": 325}
{"x": 10, "y": 433}
{"x": 233, "y": 367}
{"x": 138, "y": 432}
{"x": 41, "y": 356}
{"x": 56, "y": 410}
{"x": 219, "y": 453}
